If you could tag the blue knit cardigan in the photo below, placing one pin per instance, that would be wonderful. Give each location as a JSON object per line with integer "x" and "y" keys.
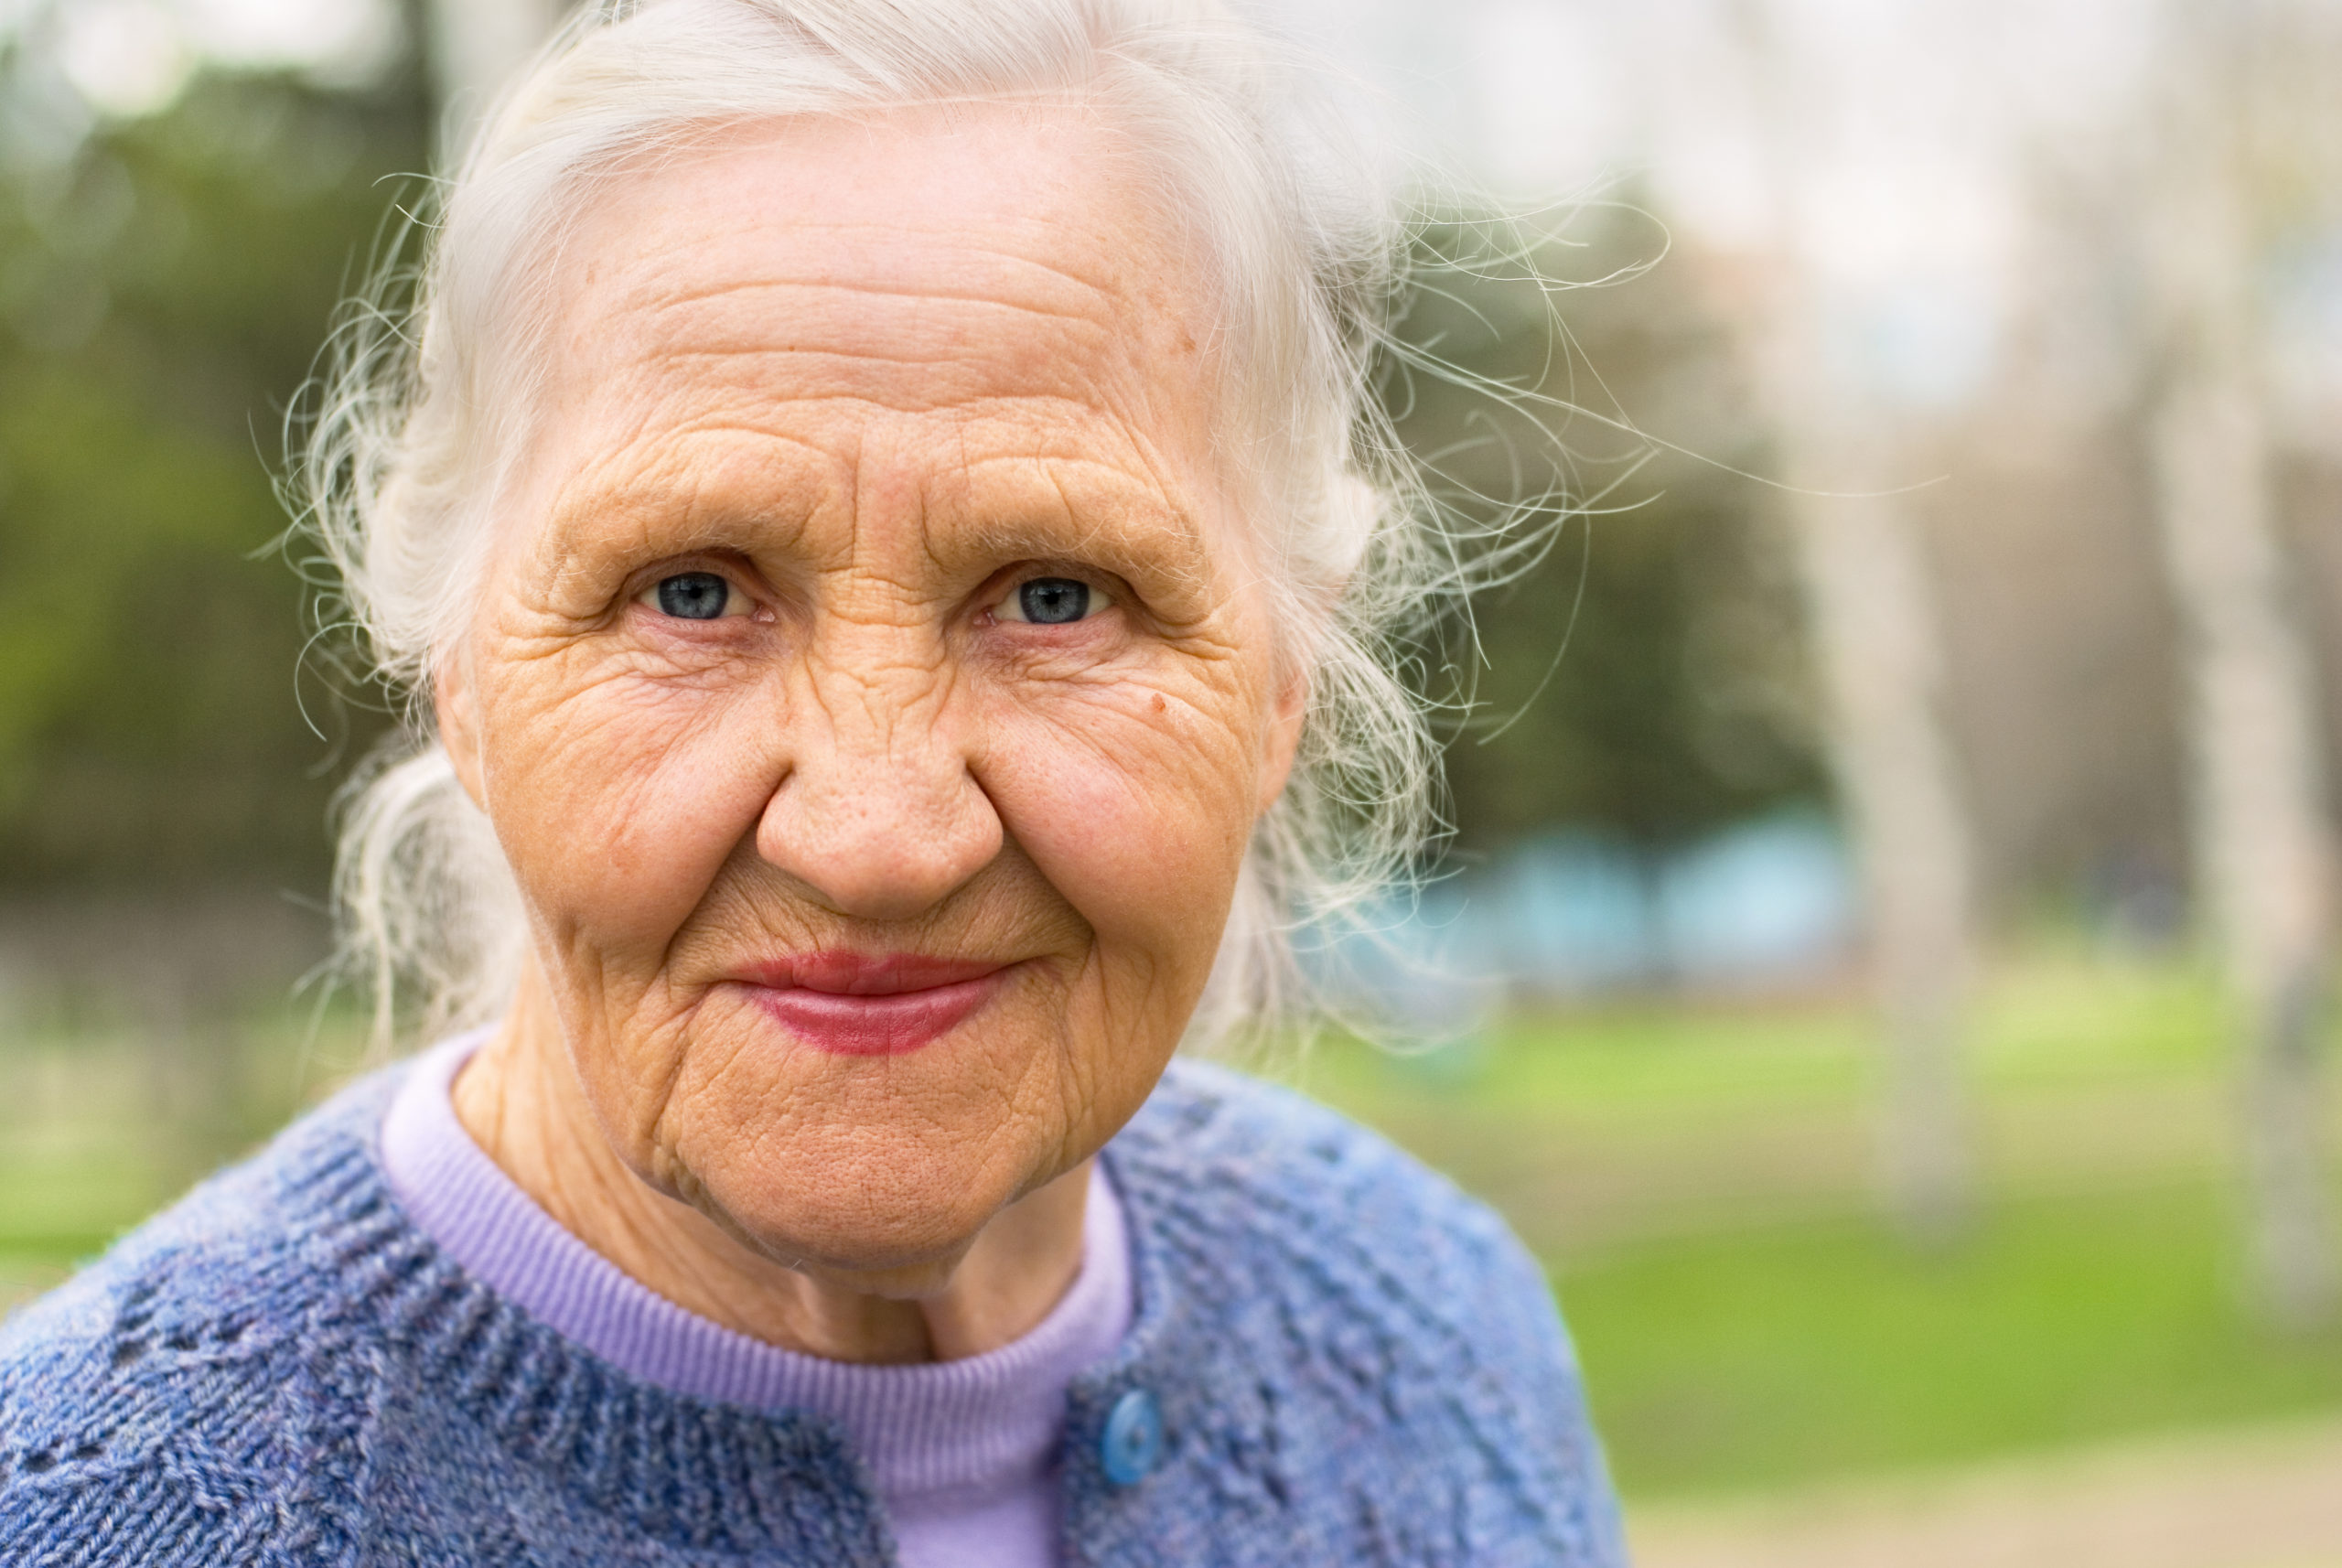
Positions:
{"x": 1354, "y": 1364}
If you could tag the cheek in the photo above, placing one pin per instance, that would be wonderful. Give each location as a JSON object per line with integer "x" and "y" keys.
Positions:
{"x": 619, "y": 800}
{"x": 1137, "y": 807}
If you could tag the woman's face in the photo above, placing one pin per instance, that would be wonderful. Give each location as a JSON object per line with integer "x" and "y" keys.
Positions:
{"x": 867, "y": 687}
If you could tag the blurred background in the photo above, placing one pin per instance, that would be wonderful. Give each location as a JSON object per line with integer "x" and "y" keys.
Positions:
{"x": 1884, "y": 962}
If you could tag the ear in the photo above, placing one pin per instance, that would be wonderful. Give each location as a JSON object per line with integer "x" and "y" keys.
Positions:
{"x": 1282, "y": 742}
{"x": 455, "y": 708}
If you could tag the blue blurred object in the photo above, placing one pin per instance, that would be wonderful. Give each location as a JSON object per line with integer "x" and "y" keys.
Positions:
{"x": 1569, "y": 913}
{"x": 1772, "y": 900}
{"x": 1766, "y": 905}
{"x": 1418, "y": 968}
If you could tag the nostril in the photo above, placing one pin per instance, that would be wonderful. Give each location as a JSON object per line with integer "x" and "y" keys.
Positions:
{"x": 887, "y": 851}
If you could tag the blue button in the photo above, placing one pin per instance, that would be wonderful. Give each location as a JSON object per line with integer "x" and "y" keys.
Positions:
{"x": 1132, "y": 1444}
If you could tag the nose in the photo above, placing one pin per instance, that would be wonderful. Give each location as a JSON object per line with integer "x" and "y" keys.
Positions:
{"x": 879, "y": 815}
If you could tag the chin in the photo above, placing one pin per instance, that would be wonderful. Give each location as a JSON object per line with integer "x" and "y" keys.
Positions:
{"x": 867, "y": 1163}
{"x": 885, "y": 1205}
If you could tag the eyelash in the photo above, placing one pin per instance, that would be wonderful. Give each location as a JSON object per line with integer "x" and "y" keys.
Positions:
{"x": 740, "y": 603}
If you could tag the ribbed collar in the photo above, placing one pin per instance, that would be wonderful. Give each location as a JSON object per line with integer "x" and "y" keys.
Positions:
{"x": 982, "y": 1423}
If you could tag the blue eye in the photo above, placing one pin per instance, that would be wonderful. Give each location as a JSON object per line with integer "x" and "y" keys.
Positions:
{"x": 1053, "y": 601}
{"x": 695, "y": 595}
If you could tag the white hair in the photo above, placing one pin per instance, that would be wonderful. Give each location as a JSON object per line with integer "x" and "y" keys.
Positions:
{"x": 412, "y": 429}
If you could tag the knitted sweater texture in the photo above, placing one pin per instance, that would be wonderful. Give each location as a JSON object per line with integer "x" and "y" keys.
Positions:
{"x": 1354, "y": 1365}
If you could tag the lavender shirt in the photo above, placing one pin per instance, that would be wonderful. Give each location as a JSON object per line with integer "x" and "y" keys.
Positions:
{"x": 964, "y": 1452}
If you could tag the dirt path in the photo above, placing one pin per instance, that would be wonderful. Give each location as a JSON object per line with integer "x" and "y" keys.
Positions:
{"x": 2263, "y": 1499}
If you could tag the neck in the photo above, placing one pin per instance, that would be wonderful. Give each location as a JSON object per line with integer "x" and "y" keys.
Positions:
{"x": 521, "y": 1100}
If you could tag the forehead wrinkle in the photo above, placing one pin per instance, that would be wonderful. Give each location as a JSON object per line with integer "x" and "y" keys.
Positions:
{"x": 1084, "y": 310}
{"x": 652, "y": 282}
{"x": 1076, "y": 338}
{"x": 668, "y": 298}
{"x": 866, "y": 555}
{"x": 1034, "y": 368}
{"x": 736, "y": 382}
{"x": 1056, "y": 291}
{"x": 937, "y": 392}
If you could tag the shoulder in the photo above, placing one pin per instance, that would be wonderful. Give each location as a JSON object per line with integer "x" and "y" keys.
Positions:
{"x": 1208, "y": 1119}
{"x": 182, "y": 1381}
{"x": 1376, "y": 1338}
{"x": 1260, "y": 1167}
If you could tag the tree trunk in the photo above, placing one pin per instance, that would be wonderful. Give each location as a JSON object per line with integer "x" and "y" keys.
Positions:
{"x": 1877, "y": 643}
{"x": 2262, "y": 841}
{"x": 1876, "y": 637}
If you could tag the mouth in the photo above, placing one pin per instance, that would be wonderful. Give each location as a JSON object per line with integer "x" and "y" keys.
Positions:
{"x": 857, "y": 1004}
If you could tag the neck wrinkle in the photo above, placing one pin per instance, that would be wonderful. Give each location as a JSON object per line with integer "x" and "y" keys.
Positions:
{"x": 520, "y": 1100}
{"x": 983, "y": 1422}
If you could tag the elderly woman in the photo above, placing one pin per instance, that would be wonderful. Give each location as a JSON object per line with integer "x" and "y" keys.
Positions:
{"x": 874, "y": 498}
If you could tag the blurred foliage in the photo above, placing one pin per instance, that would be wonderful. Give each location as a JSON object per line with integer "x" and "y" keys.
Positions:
{"x": 1644, "y": 675}
{"x": 164, "y": 287}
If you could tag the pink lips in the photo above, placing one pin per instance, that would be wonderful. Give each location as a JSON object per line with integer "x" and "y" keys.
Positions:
{"x": 853, "y": 1004}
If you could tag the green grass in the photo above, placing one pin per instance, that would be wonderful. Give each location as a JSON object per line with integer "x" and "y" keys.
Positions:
{"x": 2045, "y": 1019}
{"x": 57, "y": 1209}
{"x": 1733, "y": 1361}
{"x": 98, "y": 1129}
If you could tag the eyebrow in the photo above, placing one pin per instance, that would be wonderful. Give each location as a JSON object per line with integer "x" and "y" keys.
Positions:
{"x": 1123, "y": 522}
{"x": 689, "y": 501}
